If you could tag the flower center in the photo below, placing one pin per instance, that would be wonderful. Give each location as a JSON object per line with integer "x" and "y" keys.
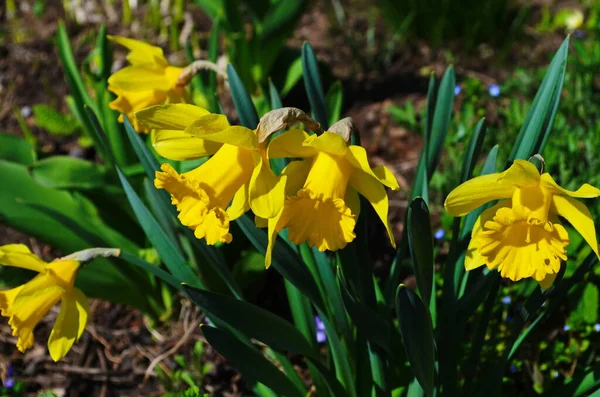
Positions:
{"x": 521, "y": 245}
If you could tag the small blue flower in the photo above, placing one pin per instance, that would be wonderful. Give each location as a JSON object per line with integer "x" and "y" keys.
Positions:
{"x": 579, "y": 34}
{"x": 566, "y": 328}
{"x": 321, "y": 335}
{"x": 457, "y": 90}
{"x": 513, "y": 368}
{"x": 509, "y": 319}
{"x": 9, "y": 383}
{"x": 597, "y": 327}
{"x": 506, "y": 300}
{"x": 494, "y": 90}
{"x": 10, "y": 371}
{"x": 439, "y": 234}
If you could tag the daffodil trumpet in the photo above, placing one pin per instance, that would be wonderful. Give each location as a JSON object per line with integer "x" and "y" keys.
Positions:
{"x": 321, "y": 190}
{"x": 522, "y": 235}
{"x": 26, "y": 305}
{"x": 235, "y": 179}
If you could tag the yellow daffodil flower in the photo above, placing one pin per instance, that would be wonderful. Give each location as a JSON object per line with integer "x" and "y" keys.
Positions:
{"x": 322, "y": 203}
{"x": 237, "y": 173}
{"x": 26, "y": 305}
{"x": 149, "y": 80}
{"x": 522, "y": 235}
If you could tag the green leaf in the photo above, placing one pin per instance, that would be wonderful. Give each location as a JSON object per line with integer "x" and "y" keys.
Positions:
{"x": 369, "y": 322}
{"x": 582, "y": 384}
{"x": 538, "y": 123}
{"x": 249, "y": 361}
{"x": 252, "y": 321}
{"x": 313, "y": 85}
{"x": 588, "y": 305}
{"x": 285, "y": 260}
{"x": 63, "y": 172}
{"x": 77, "y": 89}
{"x": 420, "y": 242}
{"x": 150, "y": 268}
{"x": 241, "y": 99}
{"x": 168, "y": 252}
{"x": 17, "y": 150}
{"x": 417, "y": 334}
{"x": 437, "y": 124}
{"x": 334, "y": 100}
{"x": 473, "y": 151}
{"x": 54, "y": 122}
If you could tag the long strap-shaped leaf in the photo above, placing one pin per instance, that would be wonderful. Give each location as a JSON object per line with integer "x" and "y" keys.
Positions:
{"x": 313, "y": 85}
{"x": 538, "y": 123}
{"x": 250, "y": 362}
{"x": 417, "y": 334}
{"x": 252, "y": 321}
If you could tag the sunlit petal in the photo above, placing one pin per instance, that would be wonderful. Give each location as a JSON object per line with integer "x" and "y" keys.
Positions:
{"x": 371, "y": 189}
{"x": 579, "y": 216}
{"x": 178, "y": 145}
{"x": 19, "y": 255}
{"x": 140, "y": 52}
{"x": 174, "y": 116}
{"x": 70, "y": 323}
{"x": 289, "y": 144}
{"x": 585, "y": 191}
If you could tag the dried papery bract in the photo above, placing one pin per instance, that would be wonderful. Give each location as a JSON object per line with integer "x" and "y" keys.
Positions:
{"x": 279, "y": 119}
{"x": 344, "y": 128}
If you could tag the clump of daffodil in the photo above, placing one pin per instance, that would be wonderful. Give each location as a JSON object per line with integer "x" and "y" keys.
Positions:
{"x": 521, "y": 235}
{"x": 26, "y": 305}
{"x": 322, "y": 202}
{"x": 149, "y": 80}
{"x": 236, "y": 178}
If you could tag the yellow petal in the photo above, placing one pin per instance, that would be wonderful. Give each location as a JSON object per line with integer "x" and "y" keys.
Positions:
{"x": 140, "y": 78}
{"x": 328, "y": 142}
{"x": 371, "y": 189}
{"x": 272, "y": 233}
{"x": 386, "y": 177}
{"x": 289, "y": 144}
{"x": 482, "y": 189}
{"x": 239, "y": 204}
{"x": 140, "y": 52}
{"x": 7, "y": 299}
{"x": 174, "y": 116}
{"x": 70, "y": 323}
{"x": 579, "y": 216}
{"x": 213, "y": 128}
{"x": 261, "y": 222}
{"x": 30, "y": 306}
{"x": 65, "y": 270}
{"x": 357, "y": 155}
{"x": 296, "y": 173}
{"x": 19, "y": 255}
{"x": 177, "y": 145}
{"x": 585, "y": 191}
{"x": 473, "y": 259}
{"x": 352, "y": 200}
{"x": 548, "y": 280}
{"x": 266, "y": 193}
